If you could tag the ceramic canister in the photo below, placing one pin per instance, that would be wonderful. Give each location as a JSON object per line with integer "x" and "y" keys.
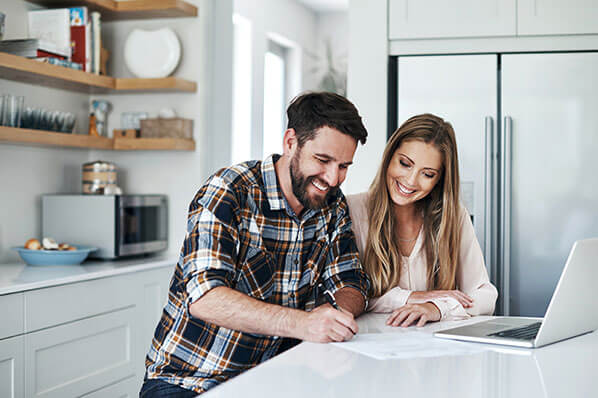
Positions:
{"x": 96, "y": 176}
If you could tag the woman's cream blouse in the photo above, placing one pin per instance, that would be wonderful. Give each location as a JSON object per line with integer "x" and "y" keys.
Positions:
{"x": 472, "y": 277}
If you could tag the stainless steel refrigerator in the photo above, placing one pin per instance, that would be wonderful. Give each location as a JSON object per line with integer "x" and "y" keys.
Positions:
{"x": 527, "y": 132}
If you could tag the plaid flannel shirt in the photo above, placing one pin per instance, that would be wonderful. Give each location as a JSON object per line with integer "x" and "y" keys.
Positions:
{"x": 242, "y": 233}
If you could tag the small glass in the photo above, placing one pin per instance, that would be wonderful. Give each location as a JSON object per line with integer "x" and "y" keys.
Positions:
{"x": 13, "y": 106}
{"x": 2, "y": 110}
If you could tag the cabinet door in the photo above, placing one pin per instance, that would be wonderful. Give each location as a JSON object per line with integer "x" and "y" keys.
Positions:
{"x": 11, "y": 367}
{"x": 557, "y": 17}
{"x": 80, "y": 357}
{"x": 426, "y": 19}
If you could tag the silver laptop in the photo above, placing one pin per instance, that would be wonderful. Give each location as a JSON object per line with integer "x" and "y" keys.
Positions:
{"x": 573, "y": 309}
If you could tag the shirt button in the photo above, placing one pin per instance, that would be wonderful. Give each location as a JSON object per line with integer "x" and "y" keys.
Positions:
{"x": 296, "y": 261}
{"x": 291, "y": 295}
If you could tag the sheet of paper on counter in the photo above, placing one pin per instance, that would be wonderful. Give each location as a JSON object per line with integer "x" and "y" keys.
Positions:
{"x": 407, "y": 345}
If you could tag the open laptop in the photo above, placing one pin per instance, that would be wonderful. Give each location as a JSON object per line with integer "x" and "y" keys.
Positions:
{"x": 573, "y": 309}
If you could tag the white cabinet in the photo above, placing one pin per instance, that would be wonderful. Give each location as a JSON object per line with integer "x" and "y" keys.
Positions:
{"x": 557, "y": 17}
{"x": 427, "y": 19}
{"x": 11, "y": 367}
{"x": 76, "y": 358}
{"x": 86, "y": 338}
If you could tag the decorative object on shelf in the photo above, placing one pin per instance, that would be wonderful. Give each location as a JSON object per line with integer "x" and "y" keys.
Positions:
{"x": 99, "y": 178}
{"x": 104, "y": 55}
{"x": 93, "y": 130}
{"x": 131, "y": 120}
{"x": 152, "y": 54}
{"x": 173, "y": 127}
{"x": 100, "y": 109}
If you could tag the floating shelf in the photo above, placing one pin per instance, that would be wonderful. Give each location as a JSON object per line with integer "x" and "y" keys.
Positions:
{"x": 50, "y": 138}
{"x": 13, "y": 67}
{"x": 133, "y": 9}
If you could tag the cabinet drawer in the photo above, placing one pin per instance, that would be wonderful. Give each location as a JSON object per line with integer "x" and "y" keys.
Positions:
{"x": 11, "y": 368}
{"x": 80, "y": 357}
{"x": 61, "y": 304}
{"x": 11, "y": 310}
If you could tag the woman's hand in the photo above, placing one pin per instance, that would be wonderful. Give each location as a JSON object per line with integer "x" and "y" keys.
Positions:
{"x": 409, "y": 313}
{"x": 458, "y": 295}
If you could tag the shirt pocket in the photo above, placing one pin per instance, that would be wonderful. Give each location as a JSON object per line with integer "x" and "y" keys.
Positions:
{"x": 314, "y": 265}
{"x": 256, "y": 278}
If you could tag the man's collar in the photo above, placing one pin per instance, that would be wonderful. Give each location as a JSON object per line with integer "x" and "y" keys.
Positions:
{"x": 273, "y": 191}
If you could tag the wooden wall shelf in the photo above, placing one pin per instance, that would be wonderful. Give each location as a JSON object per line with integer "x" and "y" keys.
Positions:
{"x": 49, "y": 138}
{"x": 133, "y": 9}
{"x": 13, "y": 67}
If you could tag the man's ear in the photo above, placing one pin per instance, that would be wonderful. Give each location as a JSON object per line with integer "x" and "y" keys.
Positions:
{"x": 289, "y": 142}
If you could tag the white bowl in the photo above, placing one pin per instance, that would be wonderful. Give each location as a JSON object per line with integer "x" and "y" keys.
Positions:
{"x": 152, "y": 54}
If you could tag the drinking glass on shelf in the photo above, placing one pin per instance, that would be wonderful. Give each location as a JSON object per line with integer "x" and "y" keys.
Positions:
{"x": 13, "y": 106}
{"x": 1, "y": 110}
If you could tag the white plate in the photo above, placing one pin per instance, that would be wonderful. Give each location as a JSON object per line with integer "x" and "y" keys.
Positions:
{"x": 152, "y": 54}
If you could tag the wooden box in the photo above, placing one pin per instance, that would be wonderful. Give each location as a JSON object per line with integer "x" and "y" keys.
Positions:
{"x": 173, "y": 127}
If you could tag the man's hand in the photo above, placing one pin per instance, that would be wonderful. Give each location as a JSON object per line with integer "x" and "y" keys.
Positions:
{"x": 409, "y": 313}
{"x": 462, "y": 298}
{"x": 325, "y": 324}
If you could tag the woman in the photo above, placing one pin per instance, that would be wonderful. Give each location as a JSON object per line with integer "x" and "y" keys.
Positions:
{"x": 415, "y": 239}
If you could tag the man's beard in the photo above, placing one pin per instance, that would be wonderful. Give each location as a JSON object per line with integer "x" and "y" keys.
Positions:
{"x": 300, "y": 183}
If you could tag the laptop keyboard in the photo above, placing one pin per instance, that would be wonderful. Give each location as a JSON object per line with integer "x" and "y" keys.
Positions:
{"x": 528, "y": 332}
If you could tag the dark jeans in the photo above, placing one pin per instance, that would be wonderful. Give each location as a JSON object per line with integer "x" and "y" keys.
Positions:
{"x": 153, "y": 388}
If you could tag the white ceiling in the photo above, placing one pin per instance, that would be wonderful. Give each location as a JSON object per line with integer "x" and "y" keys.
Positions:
{"x": 326, "y": 5}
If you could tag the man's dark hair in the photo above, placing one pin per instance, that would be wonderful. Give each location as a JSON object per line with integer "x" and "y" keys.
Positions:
{"x": 311, "y": 111}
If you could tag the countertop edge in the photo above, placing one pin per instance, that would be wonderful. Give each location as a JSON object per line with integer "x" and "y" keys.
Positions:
{"x": 118, "y": 269}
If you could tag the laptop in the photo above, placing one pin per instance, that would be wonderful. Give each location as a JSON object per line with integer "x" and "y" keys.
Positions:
{"x": 573, "y": 309}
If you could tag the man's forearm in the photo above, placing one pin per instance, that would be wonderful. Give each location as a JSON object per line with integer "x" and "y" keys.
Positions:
{"x": 231, "y": 309}
{"x": 351, "y": 300}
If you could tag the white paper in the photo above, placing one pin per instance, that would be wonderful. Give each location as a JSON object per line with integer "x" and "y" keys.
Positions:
{"x": 407, "y": 345}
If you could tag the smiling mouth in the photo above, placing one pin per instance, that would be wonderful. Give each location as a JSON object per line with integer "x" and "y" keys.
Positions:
{"x": 320, "y": 186}
{"x": 404, "y": 189}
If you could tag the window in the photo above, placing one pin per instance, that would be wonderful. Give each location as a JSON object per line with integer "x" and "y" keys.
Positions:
{"x": 275, "y": 98}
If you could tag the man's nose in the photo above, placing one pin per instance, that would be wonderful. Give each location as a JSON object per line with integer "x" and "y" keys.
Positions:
{"x": 332, "y": 176}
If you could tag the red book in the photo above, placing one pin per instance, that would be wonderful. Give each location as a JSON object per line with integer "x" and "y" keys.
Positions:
{"x": 79, "y": 54}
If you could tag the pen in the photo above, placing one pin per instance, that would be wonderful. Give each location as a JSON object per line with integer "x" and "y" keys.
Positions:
{"x": 329, "y": 297}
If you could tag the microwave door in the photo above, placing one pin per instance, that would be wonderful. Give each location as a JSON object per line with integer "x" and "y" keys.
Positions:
{"x": 142, "y": 224}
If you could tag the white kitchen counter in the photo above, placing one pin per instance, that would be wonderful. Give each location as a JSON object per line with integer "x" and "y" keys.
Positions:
{"x": 564, "y": 369}
{"x": 19, "y": 277}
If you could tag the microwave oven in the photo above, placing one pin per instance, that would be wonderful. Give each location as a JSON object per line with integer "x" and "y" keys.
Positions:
{"x": 118, "y": 225}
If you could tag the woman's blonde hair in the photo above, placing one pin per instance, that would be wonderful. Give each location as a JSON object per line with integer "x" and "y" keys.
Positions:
{"x": 440, "y": 210}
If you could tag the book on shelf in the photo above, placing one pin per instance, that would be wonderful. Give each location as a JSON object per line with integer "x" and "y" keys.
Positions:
{"x": 52, "y": 25}
{"x": 33, "y": 48}
{"x": 96, "y": 42}
{"x": 80, "y": 37}
{"x": 60, "y": 62}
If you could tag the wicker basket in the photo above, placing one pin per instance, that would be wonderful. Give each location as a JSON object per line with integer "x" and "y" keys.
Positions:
{"x": 174, "y": 128}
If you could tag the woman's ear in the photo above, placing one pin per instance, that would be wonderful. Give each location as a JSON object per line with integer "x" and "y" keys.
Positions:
{"x": 289, "y": 142}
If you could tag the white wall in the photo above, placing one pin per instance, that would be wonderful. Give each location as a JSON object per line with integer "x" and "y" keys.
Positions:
{"x": 27, "y": 172}
{"x": 294, "y": 22}
{"x": 334, "y": 28}
{"x": 367, "y": 85}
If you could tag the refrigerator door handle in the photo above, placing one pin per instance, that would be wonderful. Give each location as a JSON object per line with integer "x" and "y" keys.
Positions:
{"x": 490, "y": 180}
{"x": 506, "y": 210}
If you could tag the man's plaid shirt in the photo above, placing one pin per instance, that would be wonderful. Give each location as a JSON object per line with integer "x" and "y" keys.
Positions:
{"x": 242, "y": 233}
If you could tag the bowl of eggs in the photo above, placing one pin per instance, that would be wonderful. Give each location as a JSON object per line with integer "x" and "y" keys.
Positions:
{"x": 48, "y": 252}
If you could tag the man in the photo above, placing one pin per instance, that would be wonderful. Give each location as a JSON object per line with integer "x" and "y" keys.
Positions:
{"x": 261, "y": 237}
